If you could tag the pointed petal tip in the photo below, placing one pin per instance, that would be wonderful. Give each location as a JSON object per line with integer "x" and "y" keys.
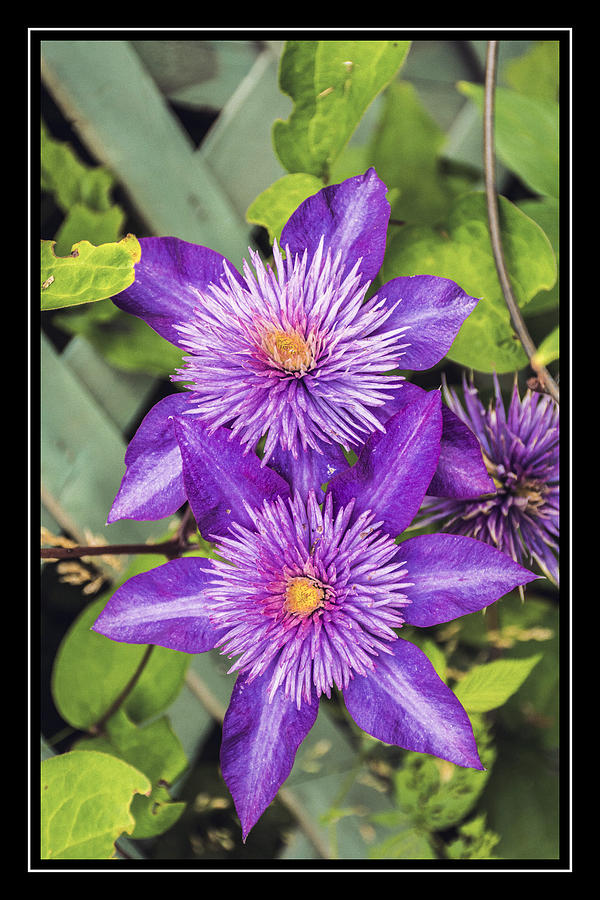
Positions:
{"x": 118, "y": 514}
{"x": 371, "y": 173}
{"x": 465, "y": 754}
{"x": 470, "y": 761}
{"x": 467, "y": 757}
{"x": 529, "y": 576}
{"x": 95, "y": 627}
{"x": 476, "y": 763}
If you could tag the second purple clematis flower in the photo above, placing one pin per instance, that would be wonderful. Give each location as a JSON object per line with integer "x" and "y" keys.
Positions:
{"x": 521, "y": 447}
{"x": 312, "y": 598}
{"x": 294, "y": 354}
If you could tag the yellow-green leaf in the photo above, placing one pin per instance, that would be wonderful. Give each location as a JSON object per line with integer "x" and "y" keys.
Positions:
{"x": 85, "y": 804}
{"x": 275, "y": 205}
{"x": 89, "y": 273}
{"x": 549, "y": 349}
{"x": 156, "y": 751}
{"x": 490, "y": 685}
{"x": 331, "y": 83}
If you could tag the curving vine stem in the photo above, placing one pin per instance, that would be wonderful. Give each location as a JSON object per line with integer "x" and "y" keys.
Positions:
{"x": 546, "y": 382}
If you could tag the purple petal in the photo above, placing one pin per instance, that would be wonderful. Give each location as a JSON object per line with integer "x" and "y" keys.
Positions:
{"x": 310, "y": 470}
{"x": 167, "y": 280}
{"x": 405, "y": 702}
{"x": 434, "y": 308}
{"x": 219, "y": 477}
{"x": 461, "y": 471}
{"x": 352, "y": 217}
{"x": 260, "y": 740}
{"x": 165, "y": 606}
{"x": 393, "y": 470}
{"x": 152, "y": 487}
{"x": 454, "y": 575}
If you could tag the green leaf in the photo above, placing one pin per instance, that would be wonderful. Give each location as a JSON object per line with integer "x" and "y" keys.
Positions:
{"x": 490, "y": 685}
{"x": 548, "y": 350}
{"x": 155, "y": 814}
{"x": 84, "y": 223}
{"x": 90, "y": 273}
{"x": 525, "y": 629}
{"x": 86, "y": 801}
{"x": 70, "y": 180}
{"x": 354, "y": 159}
{"x": 436, "y": 794}
{"x": 526, "y": 135}
{"x": 156, "y": 751}
{"x": 405, "y": 152}
{"x": 463, "y": 253}
{"x": 474, "y": 841}
{"x": 90, "y": 671}
{"x": 536, "y": 72}
{"x": 546, "y": 213}
{"x": 275, "y": 205}
{"x": 153, "y": 748}
{"x": 331, "y": 83}
{"x": 407, "y": 844}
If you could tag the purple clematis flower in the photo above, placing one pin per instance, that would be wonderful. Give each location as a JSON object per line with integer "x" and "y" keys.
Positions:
{"x": 295, "y": 354}
{"x": 521, "y": 452}
{"x": 312, "y": 597}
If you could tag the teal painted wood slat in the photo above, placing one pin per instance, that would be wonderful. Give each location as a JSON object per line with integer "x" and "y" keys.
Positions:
{"x": 198, "y": 74}
{"x": 123, "y": 396}
{"x": 82, "y": 454}
{"x": 353, "y": 834}
{"x": 120, "y": 114}
{"x": 238, "y": 148}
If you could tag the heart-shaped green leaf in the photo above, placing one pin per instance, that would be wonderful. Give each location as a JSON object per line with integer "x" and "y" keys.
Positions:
{"x": 90, "y": 671}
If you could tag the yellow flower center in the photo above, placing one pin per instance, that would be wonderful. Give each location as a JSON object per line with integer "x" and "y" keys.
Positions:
{"x": 288, "y": 349}
{"x": 303, "y": 596}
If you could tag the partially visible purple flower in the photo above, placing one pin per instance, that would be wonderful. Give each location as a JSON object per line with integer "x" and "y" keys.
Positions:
{"x": 312, "y": 598}
{"x": 293, "y": 354}
{"x": 521, "y": 452}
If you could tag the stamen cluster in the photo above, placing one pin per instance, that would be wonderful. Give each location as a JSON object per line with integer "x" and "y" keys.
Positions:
{"x": 320, "y": 596}
{"x": 297, "y": 352}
